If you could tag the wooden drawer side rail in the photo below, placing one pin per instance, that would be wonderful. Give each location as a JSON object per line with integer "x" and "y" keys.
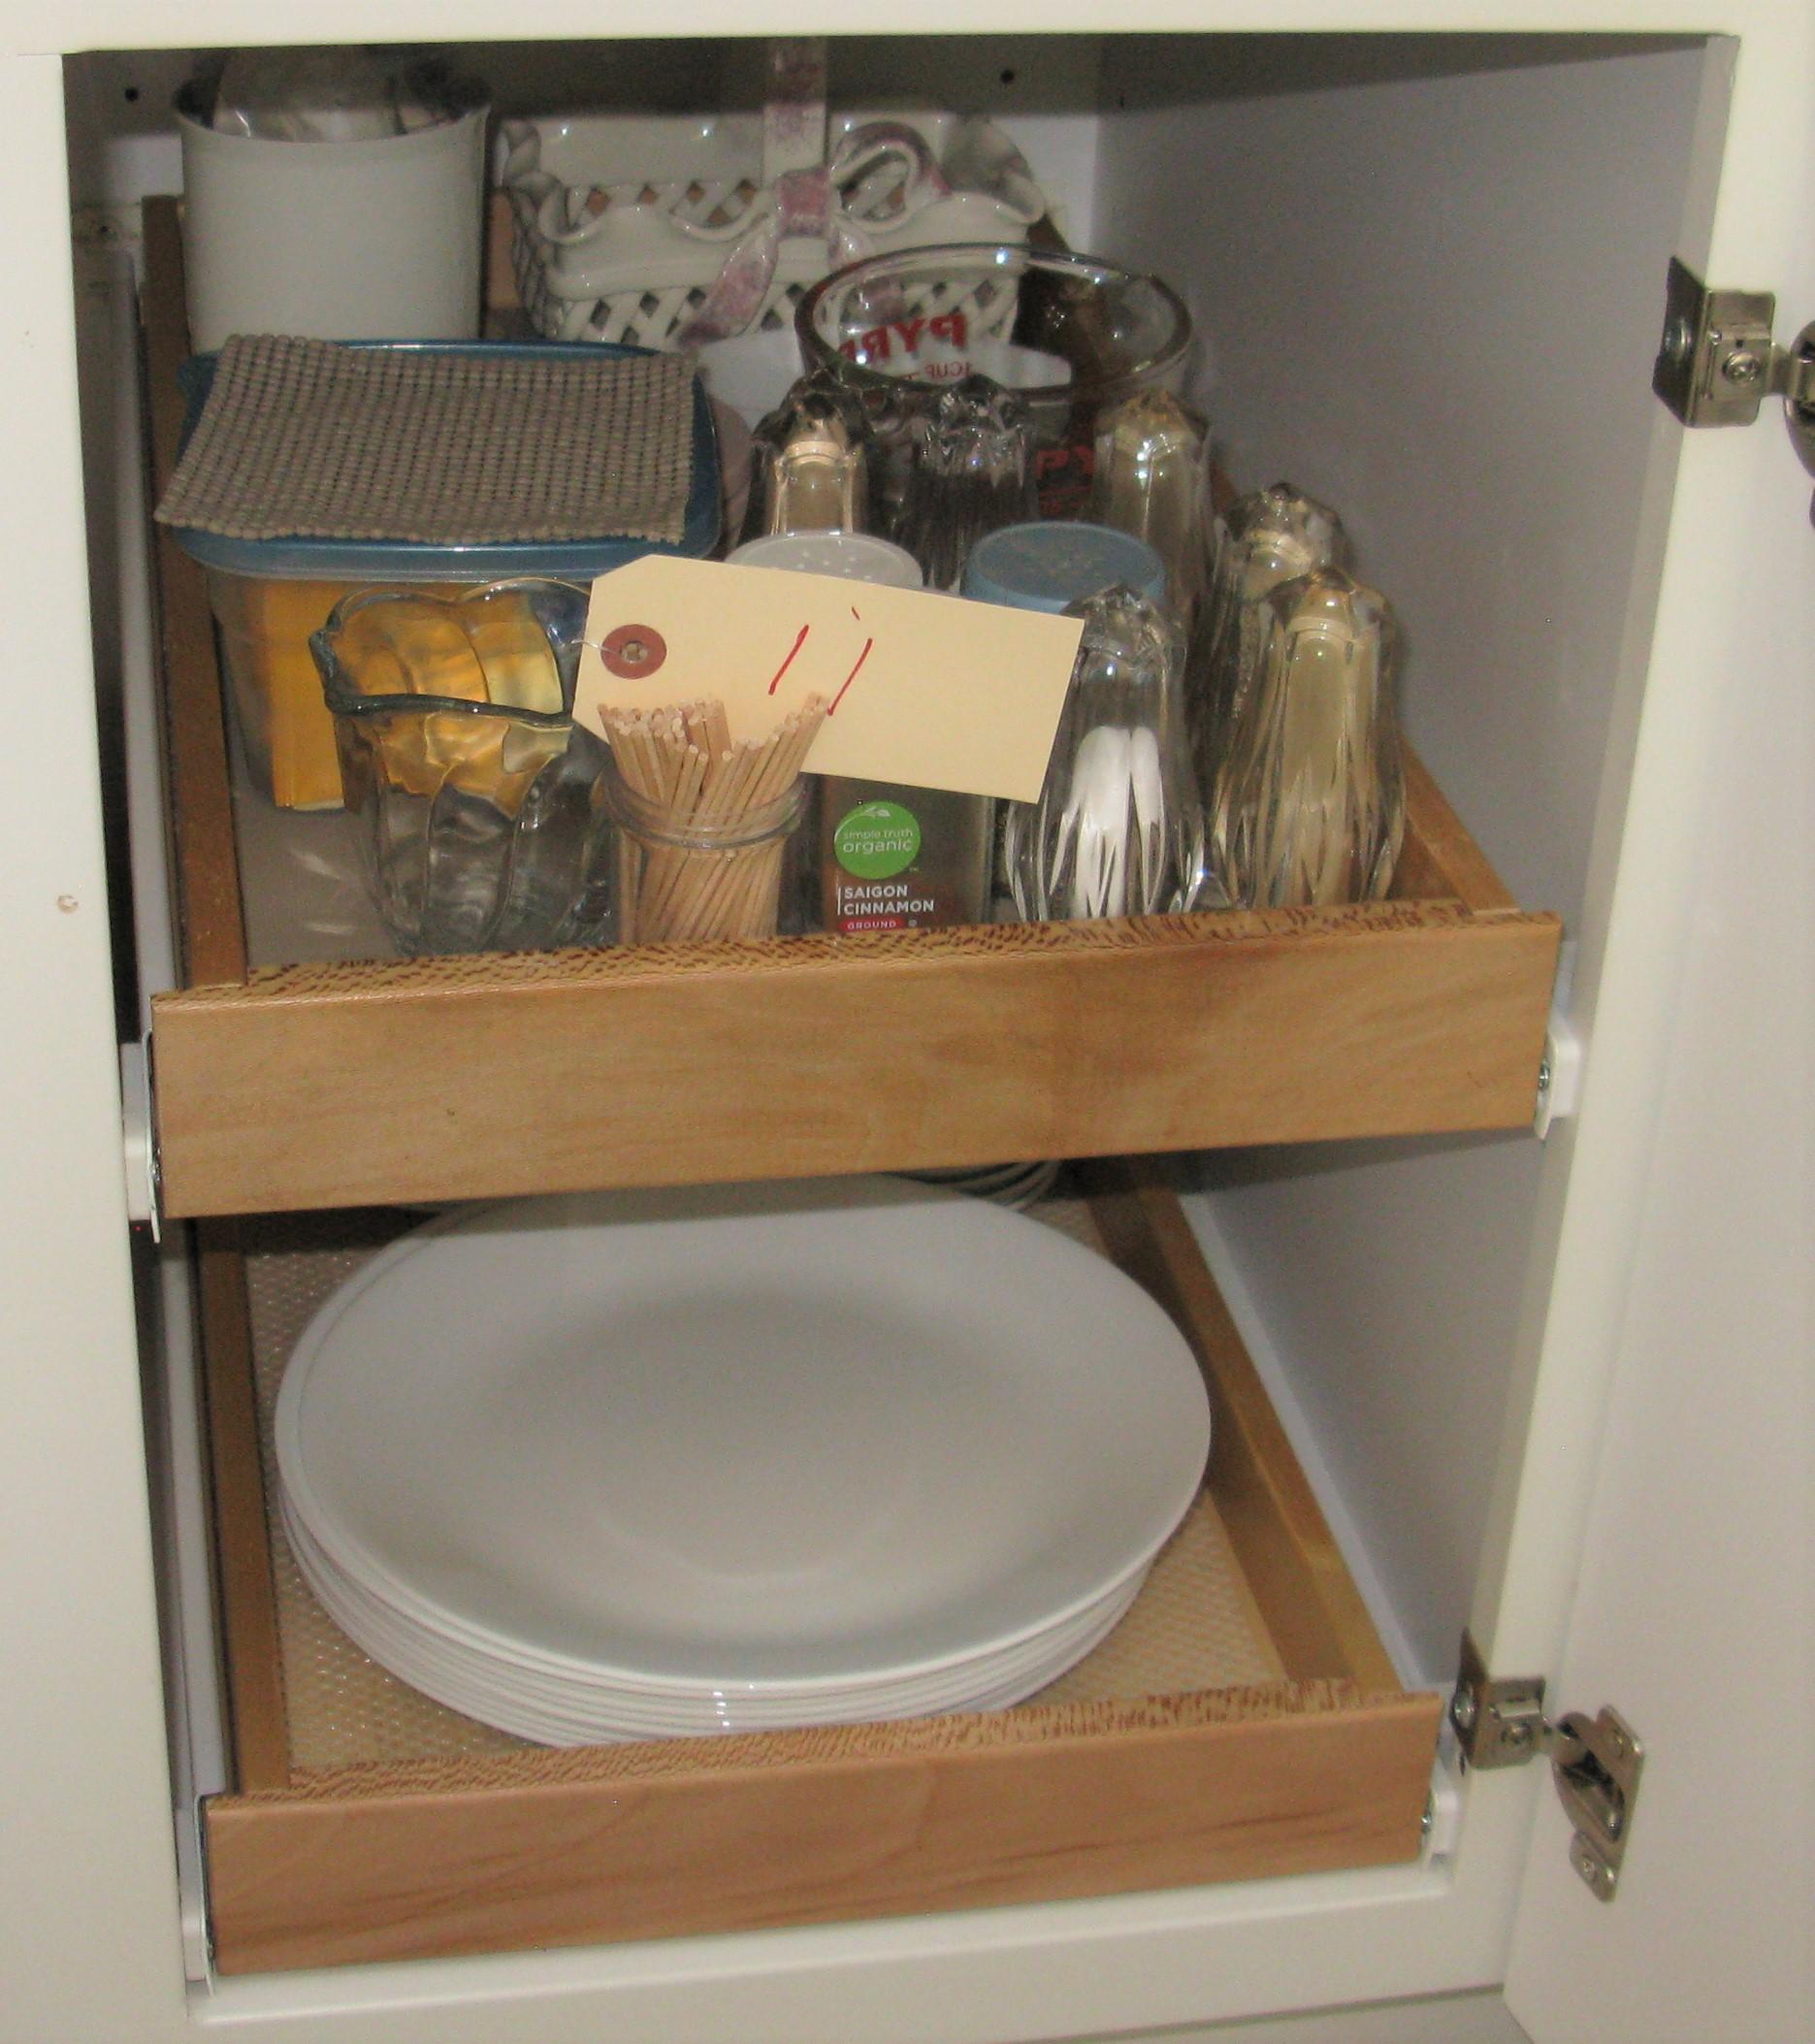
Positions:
{"x": 1319, "y": 1623}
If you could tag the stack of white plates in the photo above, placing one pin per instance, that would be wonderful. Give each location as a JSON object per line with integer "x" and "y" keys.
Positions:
{"x": 624, "y": 1466}
{"x": 1015, "y": 1185}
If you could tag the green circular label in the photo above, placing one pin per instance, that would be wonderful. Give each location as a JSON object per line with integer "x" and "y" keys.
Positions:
{"x": 877, "y": 840}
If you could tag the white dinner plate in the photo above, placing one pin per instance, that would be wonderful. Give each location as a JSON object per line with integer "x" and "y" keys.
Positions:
{"x": 383, "y": 1630}
{"x": 571, "y": 1677}
{"x": 535, "y": 1706}
{"x": 783, "y": 1436}
{"x": 597, "y": 1715}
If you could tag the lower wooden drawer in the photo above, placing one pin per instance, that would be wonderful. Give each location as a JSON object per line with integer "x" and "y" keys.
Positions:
{"x": 1315, "y": 1759}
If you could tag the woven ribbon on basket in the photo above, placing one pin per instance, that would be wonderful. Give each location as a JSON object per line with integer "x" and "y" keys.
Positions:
{"x": 814, "y": 205}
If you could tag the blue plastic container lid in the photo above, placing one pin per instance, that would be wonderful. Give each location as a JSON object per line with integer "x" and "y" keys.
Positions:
{"x": 300, "y": 559}
{"x": 1049, "y": 567}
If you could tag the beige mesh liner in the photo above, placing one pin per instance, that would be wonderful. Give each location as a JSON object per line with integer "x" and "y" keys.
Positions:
{"x": 317, "y": 440}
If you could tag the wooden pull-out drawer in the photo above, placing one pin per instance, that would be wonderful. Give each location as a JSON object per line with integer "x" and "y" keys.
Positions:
{"x": 295, "y": 1085}
{"x": 1314, "y": 1759}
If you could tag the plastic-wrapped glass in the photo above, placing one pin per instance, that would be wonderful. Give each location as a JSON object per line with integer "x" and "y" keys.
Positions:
{"x": 478, "y": 796}
{"x": 971, "y": 475}
{"x": 1264, "y": 539}
{"x": 1310, "y": 806}
{"x": 1149, "y": 480}
{"x": 1117, "y": 829}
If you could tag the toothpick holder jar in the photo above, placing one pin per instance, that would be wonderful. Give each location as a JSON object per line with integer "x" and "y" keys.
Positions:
{"x": 683, "y": 878}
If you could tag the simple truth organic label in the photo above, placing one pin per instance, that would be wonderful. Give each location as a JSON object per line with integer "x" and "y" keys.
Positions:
{"x": 877, "y": 841}
{"x": 887, "y": 866}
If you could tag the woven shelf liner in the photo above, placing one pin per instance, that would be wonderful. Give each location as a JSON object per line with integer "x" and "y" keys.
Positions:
{"x": 1195, "y": 1625}
{"x": 311, "y": 440}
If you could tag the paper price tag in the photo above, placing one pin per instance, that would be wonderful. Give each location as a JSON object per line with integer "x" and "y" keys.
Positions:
{"x": 931, "y": 691}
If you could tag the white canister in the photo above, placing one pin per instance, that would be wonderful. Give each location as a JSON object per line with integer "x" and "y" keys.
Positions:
{"x": 378, "y": 240}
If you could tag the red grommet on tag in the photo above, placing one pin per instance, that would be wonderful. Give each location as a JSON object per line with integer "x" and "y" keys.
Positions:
{"x": 632, "y": 649}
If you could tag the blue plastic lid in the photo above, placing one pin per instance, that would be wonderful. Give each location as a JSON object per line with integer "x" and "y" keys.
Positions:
{"x": 300, "y": 559}
{"x": 1049, "y": 567}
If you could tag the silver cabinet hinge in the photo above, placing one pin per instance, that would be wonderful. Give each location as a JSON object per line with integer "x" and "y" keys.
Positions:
{"x": 1596, "y": 1762}
{"x": 1717, "y": 361}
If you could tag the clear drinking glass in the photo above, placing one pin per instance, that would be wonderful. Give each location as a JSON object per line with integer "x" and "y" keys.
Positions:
{"x": 1309, "y": 807}
{"x": 1117, "y": 829}
{"x": 1150, "y": 481}
{"x": 475, "y": 789}
{"x": 1264, "y": 539}
{"x": 809, "y": 464}
{"x": 971, "y": 475}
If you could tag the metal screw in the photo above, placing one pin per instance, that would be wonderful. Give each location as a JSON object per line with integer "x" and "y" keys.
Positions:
{"x": 1463, "y": 1711}
{"x": 1428, "y": 1819}
{"x": 1744, "y": 367}
{"x": 1544, "y": 1073}
{"x": 1518, "y": 1735}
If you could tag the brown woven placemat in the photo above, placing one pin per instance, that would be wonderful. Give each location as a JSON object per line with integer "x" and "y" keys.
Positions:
{"x": 1195, "y": 1625}
{"x": 313, "y": 439}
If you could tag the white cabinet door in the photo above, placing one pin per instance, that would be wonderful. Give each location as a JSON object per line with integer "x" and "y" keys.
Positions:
{"x": 1692, "y": 1610}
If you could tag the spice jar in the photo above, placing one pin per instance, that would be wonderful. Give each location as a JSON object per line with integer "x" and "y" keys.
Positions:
{"x": 888, "y": 855}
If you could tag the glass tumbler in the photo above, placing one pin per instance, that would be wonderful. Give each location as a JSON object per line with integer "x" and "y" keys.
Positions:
{"x": 1309, "y": 807}
{"x": 473, "y": 788}
{"x": 1117, "y": 829}
{"x": 971, "y": 475}
{"x": 1150, "y": 479}
{"x": 1264, "y": 539}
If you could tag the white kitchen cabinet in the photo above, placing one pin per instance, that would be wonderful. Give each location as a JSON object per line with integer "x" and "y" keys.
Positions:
{"x": 1555, "y": 1392}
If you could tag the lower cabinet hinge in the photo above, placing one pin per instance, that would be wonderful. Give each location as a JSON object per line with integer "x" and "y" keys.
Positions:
{"x": 1596, "y": 1762}
{"x": 1718, "y": 361}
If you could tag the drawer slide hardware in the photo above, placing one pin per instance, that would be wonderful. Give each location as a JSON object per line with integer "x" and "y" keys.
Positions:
{"x": 1718, "y": 362}
{"x": 138, "y": 1137}
{"x": 1596, "y": 1762}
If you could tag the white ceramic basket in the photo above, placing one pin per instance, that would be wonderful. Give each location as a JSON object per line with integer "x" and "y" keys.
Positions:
{"x": 623, "y": 223}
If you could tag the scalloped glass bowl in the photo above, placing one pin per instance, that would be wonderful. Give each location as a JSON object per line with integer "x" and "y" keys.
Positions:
{"x": 476, "y": 794}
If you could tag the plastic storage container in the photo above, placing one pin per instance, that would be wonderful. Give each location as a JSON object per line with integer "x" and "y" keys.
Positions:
{"x": 268, "y": 595}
